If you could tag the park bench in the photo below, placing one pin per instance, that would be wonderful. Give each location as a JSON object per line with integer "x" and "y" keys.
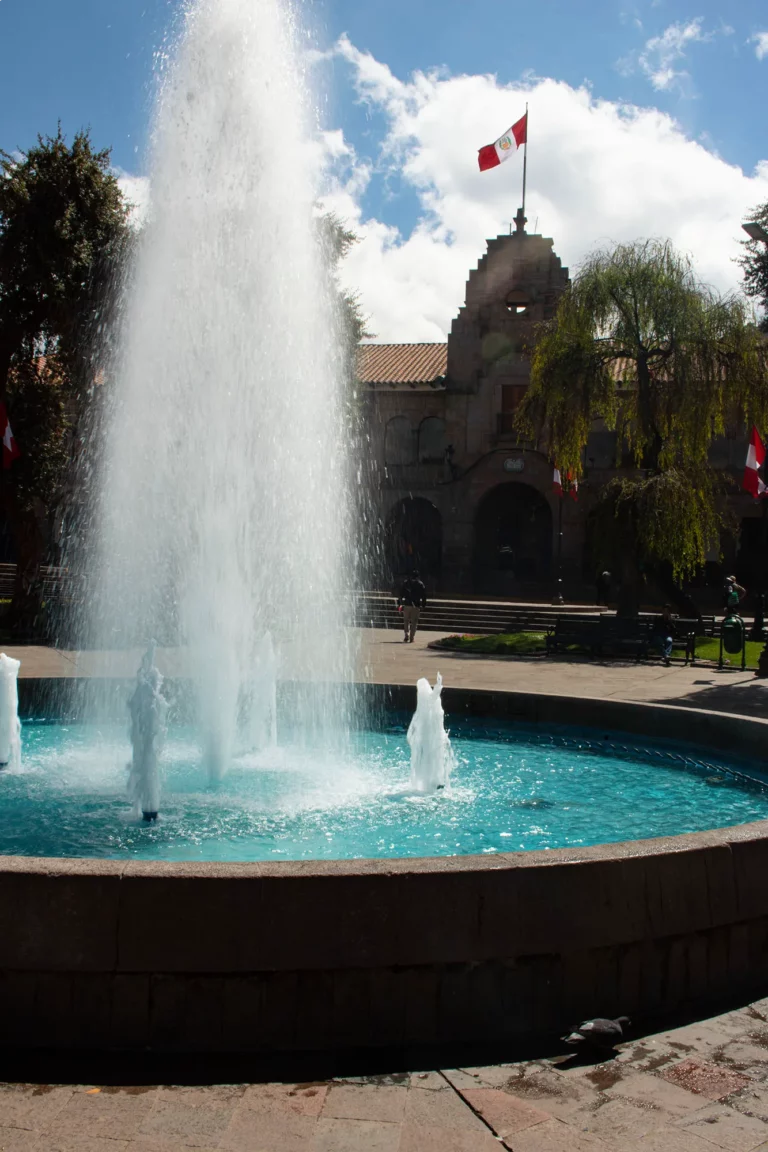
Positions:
{"x": 617, "y": 636}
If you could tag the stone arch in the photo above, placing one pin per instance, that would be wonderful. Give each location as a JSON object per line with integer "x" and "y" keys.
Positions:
{"x": 414, "y": 538}
{"x": 399, "y": 442}
{"x": 432, "y": 440}
{"x": 513, "y": 538}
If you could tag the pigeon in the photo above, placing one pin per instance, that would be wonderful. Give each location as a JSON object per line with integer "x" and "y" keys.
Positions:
{"x": 599, "y": 1033}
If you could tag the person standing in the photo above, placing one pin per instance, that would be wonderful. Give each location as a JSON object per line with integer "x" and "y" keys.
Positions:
{"x": 412, "y": 598}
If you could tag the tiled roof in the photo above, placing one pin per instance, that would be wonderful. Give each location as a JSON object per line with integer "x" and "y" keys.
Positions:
{"x": 401, "y": 363}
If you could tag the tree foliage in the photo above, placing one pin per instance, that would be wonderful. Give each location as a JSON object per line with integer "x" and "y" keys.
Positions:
{"x": 754, "y": 264}
{"x": 639, "y": 341}
{"x": 63, "y": 229}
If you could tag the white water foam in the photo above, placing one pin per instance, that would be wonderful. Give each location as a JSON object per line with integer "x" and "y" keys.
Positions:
{"x": 224, "y": 515}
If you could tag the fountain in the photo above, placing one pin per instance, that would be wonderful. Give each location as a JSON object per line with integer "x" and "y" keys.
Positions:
{"x": 149, "y": 711}
{"x": 432, "y": 758}
{"x": 10, "y": 725}
{"x": 224, "y": 531}
{"x": 224, "y": 515}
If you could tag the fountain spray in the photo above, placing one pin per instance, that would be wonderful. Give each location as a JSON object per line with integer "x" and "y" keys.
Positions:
{"x": 149, "y": 711}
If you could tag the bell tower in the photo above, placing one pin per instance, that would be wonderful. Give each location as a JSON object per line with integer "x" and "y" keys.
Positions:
{"x": 516, "y": 285}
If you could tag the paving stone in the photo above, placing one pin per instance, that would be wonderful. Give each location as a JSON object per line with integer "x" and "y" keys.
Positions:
{"x": 668, "y": 1140}
{"x": 423, "y": 1138}
{"x": 115, "y": 1112}
{"x": 483, "y": 1077}
{"x": 548, "y": 1091}
{"x": 20, "y": 1140}
{"x": 554, "y": 1136}
{"x": 298, "y": 1099}
{"x": 657, "y": 1093}
{"x": 504, "y": 1113}
{"x": 255, "y": 1131}
{"x": 440, "y": 1110}
{"x": 746, "y": 1054}
{"x": 752, "y": 1100}
{"x": 695, "y": 1040}
{"x": 432, "y": 1081}
{"x": 196, "y": 1117}
{"x": 613, "y": 1119}
{"x": 706, "y": 1079}
{"x": 81, "y": 1142}
{"x": 366, "y": 1102}
{"x": 31, "y": 1106}
{"x": 726, "y": 1128}
{"x": 354, "y": 1136}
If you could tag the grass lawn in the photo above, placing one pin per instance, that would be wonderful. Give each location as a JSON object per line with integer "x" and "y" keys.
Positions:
{"x": 505, "y": 644}
{"x": 533, "y": 644}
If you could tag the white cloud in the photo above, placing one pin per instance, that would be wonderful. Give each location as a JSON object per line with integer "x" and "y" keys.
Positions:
{"x": 661, "y": 54}
{"x": 598, "y": 172}
{"x": 136, "y": 191}
{"x": 761, "y": 44}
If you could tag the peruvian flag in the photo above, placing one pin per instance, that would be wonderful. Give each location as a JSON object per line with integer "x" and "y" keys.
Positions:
{"x": 755, "y": 457}
{"x": 493, "y": 154}
{"x": 557, "y": 484}
{"x": 574, "y": 487}
{"x": 10, "y": 447}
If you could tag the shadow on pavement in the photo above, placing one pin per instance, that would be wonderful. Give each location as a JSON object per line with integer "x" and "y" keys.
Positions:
{"x": 745, "y": 698}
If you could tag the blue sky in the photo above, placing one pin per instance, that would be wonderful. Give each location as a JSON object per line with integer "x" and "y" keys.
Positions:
{"x": 702, "y": 66}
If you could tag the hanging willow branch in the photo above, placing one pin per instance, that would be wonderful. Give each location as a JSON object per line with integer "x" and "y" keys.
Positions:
{"x": 640, "y": 342}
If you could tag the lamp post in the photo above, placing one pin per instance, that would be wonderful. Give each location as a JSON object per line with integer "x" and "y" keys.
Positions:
{"x": 566, "y": 486}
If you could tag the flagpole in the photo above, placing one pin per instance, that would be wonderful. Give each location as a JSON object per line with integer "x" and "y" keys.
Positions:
{"x": 525, "y": 159}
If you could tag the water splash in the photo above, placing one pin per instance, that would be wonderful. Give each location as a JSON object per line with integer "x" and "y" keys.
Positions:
{"x": 225, "y": 513}
{"x": 149, "y": 712}
{"x": 432, "y": 758}
{"x": 10, "y": 725}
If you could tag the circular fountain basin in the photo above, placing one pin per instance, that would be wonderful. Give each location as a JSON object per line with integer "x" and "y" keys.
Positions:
{"x": 515, "y": 788}
{"x": 469, "y": 953}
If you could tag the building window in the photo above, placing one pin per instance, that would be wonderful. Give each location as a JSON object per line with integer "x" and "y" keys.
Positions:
{"x": 511, "y": 397}
{"x": 399, "y": 442}
{"x": 432, "y": 441}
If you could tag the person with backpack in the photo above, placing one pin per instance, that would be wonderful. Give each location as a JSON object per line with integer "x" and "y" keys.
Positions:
{"x": 733, "y": 594}
{"x": 412, "y": 598}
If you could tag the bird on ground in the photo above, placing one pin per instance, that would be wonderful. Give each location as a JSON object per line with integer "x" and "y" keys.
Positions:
{"x": 599, "y": 1033}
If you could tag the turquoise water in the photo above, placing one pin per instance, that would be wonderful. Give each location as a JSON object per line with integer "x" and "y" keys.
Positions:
{"x": 513, "y": 789}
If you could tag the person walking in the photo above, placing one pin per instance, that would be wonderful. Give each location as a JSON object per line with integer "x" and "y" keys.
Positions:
{"x": 663, "y": 633}
{"x": 733, "y": 594}
{"x": 603, "y": 582}
{"x": 412, "y": 598}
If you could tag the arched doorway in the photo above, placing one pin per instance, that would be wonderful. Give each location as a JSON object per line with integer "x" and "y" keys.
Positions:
{"x": 414, "y": 539}
{"x": 513, "y": 539}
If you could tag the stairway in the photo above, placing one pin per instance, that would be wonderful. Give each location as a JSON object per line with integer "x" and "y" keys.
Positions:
{"x": 379, "y": 610}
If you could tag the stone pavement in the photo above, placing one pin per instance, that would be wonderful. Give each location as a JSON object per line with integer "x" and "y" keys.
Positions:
{"x": 384, "y": 659}
{"x": 693, "y": 1089}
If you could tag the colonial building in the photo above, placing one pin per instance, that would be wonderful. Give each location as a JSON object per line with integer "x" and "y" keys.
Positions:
{"x": 459, "y": 495}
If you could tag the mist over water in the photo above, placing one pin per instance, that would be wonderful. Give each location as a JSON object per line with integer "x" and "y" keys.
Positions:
{"x": 224, "y": 515}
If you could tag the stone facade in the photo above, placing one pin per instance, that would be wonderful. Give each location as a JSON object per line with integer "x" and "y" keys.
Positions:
{"x": 459, "y": 495}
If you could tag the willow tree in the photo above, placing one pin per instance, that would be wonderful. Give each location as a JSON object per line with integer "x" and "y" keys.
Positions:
{"x": 640, "y": 342}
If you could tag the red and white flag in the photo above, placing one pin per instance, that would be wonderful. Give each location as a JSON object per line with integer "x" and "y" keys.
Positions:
{"x": 755, "y": 456}
{"x": 493, "y": 154}
{"x": 10, "y": 447}
{"x": 557, "y": 484}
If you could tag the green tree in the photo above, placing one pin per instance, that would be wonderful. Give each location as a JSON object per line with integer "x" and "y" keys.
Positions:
{"x": 754, "y": 263}
{"x": 639, "y": 341}
{"x": 63, "y": 227}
